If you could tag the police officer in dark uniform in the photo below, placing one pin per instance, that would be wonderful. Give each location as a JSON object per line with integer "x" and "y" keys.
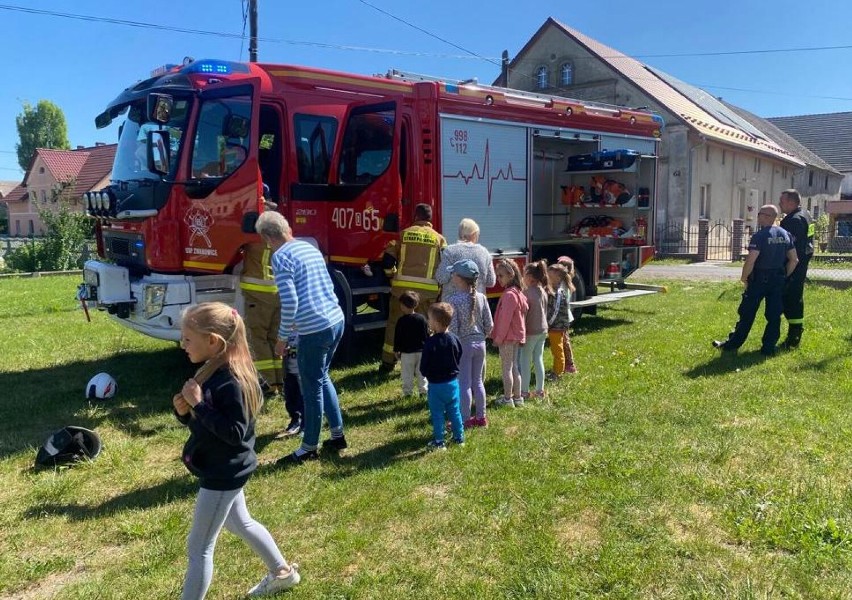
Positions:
{"x": 771, "y": 259}
{"x": 798, "y": 223}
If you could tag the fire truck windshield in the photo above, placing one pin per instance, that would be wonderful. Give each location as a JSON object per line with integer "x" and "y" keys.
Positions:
{"x": 131, "y": 157}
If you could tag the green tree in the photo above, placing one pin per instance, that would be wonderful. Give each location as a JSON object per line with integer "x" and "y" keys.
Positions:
{"x": 67, "y": 232}
{"x": 40, "y": 126}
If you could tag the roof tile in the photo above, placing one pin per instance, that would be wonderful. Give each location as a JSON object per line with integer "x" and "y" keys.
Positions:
{"x": 665, "y": 92}
{"x": 829, "y": 135}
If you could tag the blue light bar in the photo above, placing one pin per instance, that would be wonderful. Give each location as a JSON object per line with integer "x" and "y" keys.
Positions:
{"x": 215, "y": 67}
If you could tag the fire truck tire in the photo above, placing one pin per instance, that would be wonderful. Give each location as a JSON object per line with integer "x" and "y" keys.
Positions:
{"x": 344, "y": 297}
{"x": 579, "y": 294}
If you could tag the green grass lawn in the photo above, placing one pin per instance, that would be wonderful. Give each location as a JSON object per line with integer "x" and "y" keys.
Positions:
{"x": 661, "y": 470}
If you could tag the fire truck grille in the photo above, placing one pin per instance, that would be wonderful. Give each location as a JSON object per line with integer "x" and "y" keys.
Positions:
{"x": 124, "y": 249}
{"x": 119, "y": 248}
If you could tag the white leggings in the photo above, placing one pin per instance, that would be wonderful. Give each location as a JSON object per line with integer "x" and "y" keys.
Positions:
{"x": 213, "y": 510}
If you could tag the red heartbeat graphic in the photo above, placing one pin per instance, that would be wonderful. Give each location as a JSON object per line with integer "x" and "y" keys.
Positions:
{"x": 486, "y": 173}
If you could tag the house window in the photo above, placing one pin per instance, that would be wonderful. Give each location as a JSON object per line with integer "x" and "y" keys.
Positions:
{"x": 784, "y": 173}
{"x": 704, "y": 202}
{"x": 707, "y": 154}
{"x": 541, "y": 79}
{"x": 764, "y": 197}
{"x": 40, "y": 170}
{"x": 31, "y": 227}
{"x": 792, "y": 182}
{"x": 724, "y": 155}
{"x": 33, "y": 196}
{"x": 810, "y": 178}
{"x": 43, "y": 197}
{"x": 825, "y": 185}
{"x": 816, "y": 211}
{"x": 17, "y": 228}
{"x": 566, "y": 74}
{"x": 756, "y": 165}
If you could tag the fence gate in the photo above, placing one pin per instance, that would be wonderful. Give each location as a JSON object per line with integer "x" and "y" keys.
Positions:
{"x": 719, "y": 241}
{"x": 674, "y": 239}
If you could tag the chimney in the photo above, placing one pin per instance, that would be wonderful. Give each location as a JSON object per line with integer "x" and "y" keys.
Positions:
{"x": 80, "y": 147}
{"x": 100, "y": 144}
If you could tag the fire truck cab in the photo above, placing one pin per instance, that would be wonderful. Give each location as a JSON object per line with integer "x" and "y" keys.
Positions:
{"x": 345, "y": 159}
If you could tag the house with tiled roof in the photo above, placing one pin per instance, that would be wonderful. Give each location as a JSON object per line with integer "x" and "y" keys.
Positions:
{"x": 830, "y": 136}
{"x": 713, "y": 163}
{"x": 54, "y": 175}
{"x": 819, "y": 183}
{"x": 5, "y": 188}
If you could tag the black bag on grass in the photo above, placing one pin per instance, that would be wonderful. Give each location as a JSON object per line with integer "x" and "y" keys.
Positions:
{"x": 68, "y": 446}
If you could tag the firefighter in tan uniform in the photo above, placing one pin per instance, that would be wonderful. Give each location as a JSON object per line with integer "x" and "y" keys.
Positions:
{"x": 412, "y": 263}
{"x": 262, "y": 312}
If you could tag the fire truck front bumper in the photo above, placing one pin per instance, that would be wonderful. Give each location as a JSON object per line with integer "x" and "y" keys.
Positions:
{"x": 150, "y": 304}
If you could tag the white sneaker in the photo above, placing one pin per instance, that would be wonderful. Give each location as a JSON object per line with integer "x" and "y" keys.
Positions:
{"x": 272, "y": 584}
{"x": 504, "y": 401}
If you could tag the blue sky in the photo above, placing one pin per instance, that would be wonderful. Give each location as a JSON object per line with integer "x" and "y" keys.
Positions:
{"x": 82, "y": 65}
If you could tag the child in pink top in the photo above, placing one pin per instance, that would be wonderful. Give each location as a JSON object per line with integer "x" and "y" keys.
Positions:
{"x": 536, "y": 289}
{"x": 509, "y": 330}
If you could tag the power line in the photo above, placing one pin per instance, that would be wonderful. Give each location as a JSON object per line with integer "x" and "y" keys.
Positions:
{"x": 235, "y": 36}
{"x": 244, "y": 8}
{"x": 740, "y": 52}
{"x": 469, "y": 53}
{"x": 429, "y": 33}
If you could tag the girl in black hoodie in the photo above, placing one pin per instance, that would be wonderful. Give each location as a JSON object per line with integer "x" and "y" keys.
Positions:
{"x": 219, "y": 405}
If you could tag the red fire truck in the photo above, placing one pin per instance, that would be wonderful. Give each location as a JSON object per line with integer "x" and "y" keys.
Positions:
{"x": 346, "y": 158}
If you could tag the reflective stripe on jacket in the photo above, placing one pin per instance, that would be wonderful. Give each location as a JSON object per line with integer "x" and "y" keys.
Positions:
{"x": 417, "y": 257}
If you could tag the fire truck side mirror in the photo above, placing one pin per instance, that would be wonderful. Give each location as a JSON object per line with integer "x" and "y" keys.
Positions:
{"x": 236, "y": 126}
{"x": 158, "y": 152}
{"x": 160, "y": 108}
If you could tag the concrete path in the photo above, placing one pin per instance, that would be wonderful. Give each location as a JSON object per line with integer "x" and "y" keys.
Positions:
{"x": 722, "y": 271}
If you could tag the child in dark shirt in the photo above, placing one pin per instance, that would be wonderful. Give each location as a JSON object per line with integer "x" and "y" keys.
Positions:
{"x": 219, "y": 406}
{"x": 410, "y": 334}
{"x": 293, "y": 401}
{"x": 440, "y": 365}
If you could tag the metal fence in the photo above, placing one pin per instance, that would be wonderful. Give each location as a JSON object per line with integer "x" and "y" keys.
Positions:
{"x": 9, "y": 244}
{"x": 719, "y": 239}
{"x": 676, "y": 239}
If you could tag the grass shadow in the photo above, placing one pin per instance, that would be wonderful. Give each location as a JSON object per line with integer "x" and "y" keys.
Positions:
{"x": 139, "y": 499}
{"x": 395, "y": 451}
{"x": 383, "y": 410}
{"x": 592, "y": 323}
{"x": 56, "y": 396}
{"x": 727, "y": 362}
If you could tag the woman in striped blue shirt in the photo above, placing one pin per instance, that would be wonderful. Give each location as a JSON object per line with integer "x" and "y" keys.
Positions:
{"x": 308, "y": 304}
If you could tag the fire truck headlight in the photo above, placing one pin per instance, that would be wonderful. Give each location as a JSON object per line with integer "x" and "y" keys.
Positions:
{"x": 155, "y": 296}
{"x": 105, "y": 200}
{"x": 87, "y": 200}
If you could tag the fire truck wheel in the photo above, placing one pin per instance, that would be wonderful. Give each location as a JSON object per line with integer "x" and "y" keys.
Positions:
{"x": 579, "y": 294}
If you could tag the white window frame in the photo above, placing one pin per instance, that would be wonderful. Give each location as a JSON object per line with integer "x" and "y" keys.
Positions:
{"x": 542, "y": 78}
{"x": 704, "y": 201}
{"x": 567, "y": 67}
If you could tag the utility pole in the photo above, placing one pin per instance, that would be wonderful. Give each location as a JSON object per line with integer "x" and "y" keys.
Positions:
{"x": 252, "y": 30}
